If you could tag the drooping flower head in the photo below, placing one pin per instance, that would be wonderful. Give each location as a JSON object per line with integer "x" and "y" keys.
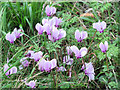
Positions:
{"x": 44, "y": 21}
{"x": 41, "y": 65}
{"x": 18, "y": 32}
{"x": 79, "y": 53}
{"x": 30, "y": 54}
{"x": 56, "y": 21}
{"x": 50, "y": 10}
{"x": 37, "y": 56}
{"x": 48, "y": 28}
{"x": 80, "y": 35}
{"x": 39, "y": 28}
{"x": 31, "y": 84}
{"x": 10, "y": 71}
{"x": 104, "y": 46}
{"x": 53, "y": 63}
{"x": 47, "y": 65}
{"x": 67, "y": 60}
{"x": 69, "y": 51}
{"x": 89, "y": 70}
{"x": 61, "y": 69}
{"x": 56, "y": 34}
{"x": 100, "y": 26}
{"x": 25, "y": 62}
{"x": 10, "y": 37}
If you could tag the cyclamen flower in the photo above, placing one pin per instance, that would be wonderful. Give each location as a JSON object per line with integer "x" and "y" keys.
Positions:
{"x": 44, "y": 21}
{"x": 25, "y": 62}
{"x": 41, "y": 65}
{"x": 10, "y": 71}
{"x": 80, "y": 35}
{"x": 100, "y": 26}
{"x": 69, "y": 51}
{"x": 89, "y": 70}
{"x": 53, "y": 63}
{"x": 47, "y": 65}
{"x": 56, "y": 34}
{"x": 48, "y": 28}
{"x": 56, "y": 21}
{"x": 104, "y": 46}
{"x": 61, "y": 69}
{"x": 30, "y": 54}
{"x": 67, "y": 60}
{"x": 10, "y": 37}
{"x": 37, "y": 56}
{"x": 31, "y": 84}
{"x": 79, "y": 53}
{"x": 39, "y": 28}
{"x": 50, "y": 10}
{"x": 17, "y": 32}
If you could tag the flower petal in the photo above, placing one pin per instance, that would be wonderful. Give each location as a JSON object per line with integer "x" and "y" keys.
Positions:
{"x": 83, "y": 51}
{"x": 106, "y": 45}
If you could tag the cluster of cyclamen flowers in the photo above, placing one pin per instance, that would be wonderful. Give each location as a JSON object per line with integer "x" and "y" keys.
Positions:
{"x": 14, "y": 35}
{"x": 50, "y": 27}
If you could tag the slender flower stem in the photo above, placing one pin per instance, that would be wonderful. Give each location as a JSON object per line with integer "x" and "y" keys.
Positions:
{"x": 94, "y": 55}
{"x": 106, "y": 61}
{"x": 92, "y": 40}
{"x": 83, "y": 63}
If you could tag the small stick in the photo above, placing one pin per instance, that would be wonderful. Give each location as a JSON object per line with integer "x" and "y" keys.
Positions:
{"x": 92, "y": 40}
{"x": 106, "y": 61}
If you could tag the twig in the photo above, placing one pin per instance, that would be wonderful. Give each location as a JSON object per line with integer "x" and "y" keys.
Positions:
{"x": 92, "y": 40}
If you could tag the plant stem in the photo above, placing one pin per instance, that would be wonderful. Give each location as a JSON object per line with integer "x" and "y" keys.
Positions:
{"x": 92, "y": 40}
{"x": 106, "y": 61}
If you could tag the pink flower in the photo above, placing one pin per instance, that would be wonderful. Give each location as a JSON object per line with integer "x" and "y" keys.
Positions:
{"x": 37, "y": 56}
{"x": 80, "y": 35}
{"x": 104, "y": 46}
{"x": 30, "y": 54}
{"x": 31, "y": 84}
{"x": 25, "y": 63}
{"x": 48, "y": 28}
{"x": 56, "y": 34}
{"x": 47, "y": 65}
{"x": 17, "y": 32}
{"x": 53, "y": 63}
{"x": 61, "y": 69}
{"x": 10, "y": 71}
{"x": 67, "y": 60}
{"x": 39, "y": 28}
{"x": 56, "y": 21}
{"x": 89, "y": 70}
{"x": 69, "y": 51}
{"x": 10, "y": 37}
{"x": 44, "y": 21}
{"x": 50, "y": 10}
{"x": 100, "y": 26}
{"x": 79, "y": 53}
{"x": 41, "y": 65}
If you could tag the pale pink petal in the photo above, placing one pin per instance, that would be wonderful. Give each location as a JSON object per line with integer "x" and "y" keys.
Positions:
{"x": 74, "y": 49}
{"x": 77, "y": 35}
{"x": 83, "y": 51}
{"x": 102, "y": 47}
{"x": 84, "y": 34}
{"x": 62, "y": 33}
{"x": 53, "y": 63}
{"x": 103, "y": 25}
{"x": 13, "y": 70}
{"x": 106, "y": 45}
